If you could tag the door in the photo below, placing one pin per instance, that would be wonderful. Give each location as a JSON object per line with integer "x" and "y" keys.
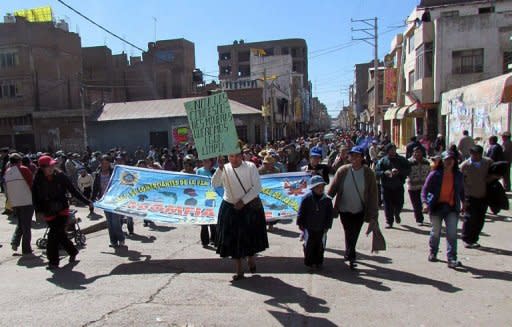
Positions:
{"x": 159, "y": 139}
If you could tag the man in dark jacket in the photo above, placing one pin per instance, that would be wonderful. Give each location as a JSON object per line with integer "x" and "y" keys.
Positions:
{"x": 315, "y": 167}
{"x": 495, "y": 151}
{"x": 393, "y": 169}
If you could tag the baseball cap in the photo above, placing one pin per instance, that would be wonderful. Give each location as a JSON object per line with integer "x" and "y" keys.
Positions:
{"x": 356, "y": 149}
{"x": 448, "y": 154}
{"x": 476, "y": 149}
{"x": 315, "y": 181}
{"x": 315, "y": 152}
{"x": 46, "y": 161}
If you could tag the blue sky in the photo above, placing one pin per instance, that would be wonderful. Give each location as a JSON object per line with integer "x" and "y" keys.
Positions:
{"x": 324, "y": 24}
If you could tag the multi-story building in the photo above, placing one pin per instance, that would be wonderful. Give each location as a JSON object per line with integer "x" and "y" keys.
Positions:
{"x": 449, "y": 44}
{"x": 280, "y": 68}
{"x": 164, "y": 72}
{"x": 40, "y": 67}
{"x": 360, "y": 94}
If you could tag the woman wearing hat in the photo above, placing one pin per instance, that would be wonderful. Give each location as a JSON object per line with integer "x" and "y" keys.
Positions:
{"x": 241, "y": 231}
{"x": 268, "y": 166}
{"x": 355, "y": 188}
{"x": 49, "y": 196}
{"x": 442, "y": 196}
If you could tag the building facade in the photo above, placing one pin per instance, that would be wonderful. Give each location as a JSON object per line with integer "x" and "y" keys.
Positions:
{"x": 40, "y": 68}
{"x": 448, "y": 44}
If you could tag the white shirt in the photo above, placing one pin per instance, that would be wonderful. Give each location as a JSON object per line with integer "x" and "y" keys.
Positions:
{"x": 233, "y": 191}
{"x": 85, "y": 181}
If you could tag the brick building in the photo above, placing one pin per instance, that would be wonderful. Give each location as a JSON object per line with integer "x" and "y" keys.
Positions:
{"x": 40, "y": 66}
{"x": 163, "y": 72}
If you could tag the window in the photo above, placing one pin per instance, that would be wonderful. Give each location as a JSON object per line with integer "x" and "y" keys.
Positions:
{"x": 410, "y": 43}
{"x": 411, "y": 80}
{"x": 285, "y": 50}
{"x": 225, "y": 70}
{"x": 244, "y": 70}
{"x": 486, "y": 10}
{"x": 225, "y": 56}
{"x": 424, "y": 61}
{"x": 244, "y": 55}
{"x": 269, "y": 51}
{"x": 9, "y": 58}
{"x": 507, "y": 62}
{"x": 296, "y": 52}
{"x": 468, "y": 61}
{"x": 451, "y": 13}
{"x": 10, "y": 89}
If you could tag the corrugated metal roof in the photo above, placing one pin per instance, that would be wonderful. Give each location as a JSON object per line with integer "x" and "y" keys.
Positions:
{"x": 165, "y": 108}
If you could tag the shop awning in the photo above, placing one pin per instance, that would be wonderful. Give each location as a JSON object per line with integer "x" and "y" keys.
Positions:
{"x": 401, "y": 112}
{"x": 391, "y": 113}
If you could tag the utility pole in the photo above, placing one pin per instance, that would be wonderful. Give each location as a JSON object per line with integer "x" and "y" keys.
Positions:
{"x": 372, "y": 37}
{"x": 84, "y": 124}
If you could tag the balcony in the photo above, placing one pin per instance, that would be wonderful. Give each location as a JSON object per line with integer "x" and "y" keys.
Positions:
{"x": 424, "y": 33}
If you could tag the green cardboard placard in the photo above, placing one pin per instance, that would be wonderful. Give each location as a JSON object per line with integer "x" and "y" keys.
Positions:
{"x": 212, "y": 125}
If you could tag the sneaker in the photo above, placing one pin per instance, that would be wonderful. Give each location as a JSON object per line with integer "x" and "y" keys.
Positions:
{"x": 72, "y": 258}
{"x": 432, "y": 257}
{"x": 388, "y": 226}
{"x": 121, "y": 243}
{"x": 398, "y": 220}
{"x": 353, "y": 265}
{"x": 471, "y": 245}
{"x": 114, "y": 245}
{"x": 454, "y": 264}
{"x": 14, "y": 247}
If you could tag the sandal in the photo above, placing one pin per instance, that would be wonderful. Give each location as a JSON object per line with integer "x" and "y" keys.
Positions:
{"x": 238, "y": 276}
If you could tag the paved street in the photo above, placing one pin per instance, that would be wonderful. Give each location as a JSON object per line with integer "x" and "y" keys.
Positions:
{"x": 166, "y": 278}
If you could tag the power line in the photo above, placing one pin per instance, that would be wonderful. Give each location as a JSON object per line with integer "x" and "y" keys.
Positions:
{"x": 98, "y": 25}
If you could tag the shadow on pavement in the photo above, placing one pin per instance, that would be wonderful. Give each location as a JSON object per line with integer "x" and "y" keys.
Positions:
{"x": 142, "y": 238}
{"x": 376, "y": 258}
{"x": 31, "y": 261}
{"x": 284, "y": 232}
{"x": 153, "y": 227}
{"x": 131, "y": 255}
{"x": 292, "y": 318}
{"x": 426, "y": 231}
{"x": 287, "y": 265}
{"x": 494, "y": 250}
{"x": 490, "y": 218}
{"x": 281, "y": 293}
{"x": 69, "y": 279}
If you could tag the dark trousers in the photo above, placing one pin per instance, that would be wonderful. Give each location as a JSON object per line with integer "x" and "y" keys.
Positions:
{"x": 206, "y": 237}
{"x": 23, "y": 233}
{"x": 415, "y": 197}
{"x": 474, "y": 219}
{"x": 393, "y": 203}
{"x": 57, "y": 236}
{"x": 314, "y": 248}
{"x": 506, "y": 179}
{"x": 352, "y": 224}
{"x": 87, "y": 192}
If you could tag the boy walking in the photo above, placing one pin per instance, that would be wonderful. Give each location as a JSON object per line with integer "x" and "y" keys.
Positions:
{"x": 314, "y": 219}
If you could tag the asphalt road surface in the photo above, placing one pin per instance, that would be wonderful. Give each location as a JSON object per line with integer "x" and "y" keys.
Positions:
{"x": 165, "y": 278}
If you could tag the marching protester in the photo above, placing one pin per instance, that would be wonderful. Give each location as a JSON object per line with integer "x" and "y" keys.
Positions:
{"x": 101, "y": 181}
{"x": 442, "y": 197}
{"x": 420, "y": 168}
{"x": 189, "y": 164}
{"x": 18, "y": 184}
{"x": 241, "y": 220}
{"x": 392, "y": 169}
{"x": 413, "y": 144}
{"x": 49, "y": 197}
{"x": 315, "y": 167}
{"x": 314, "y": 220}
{"x": 85, "y": 182}
{"x": 507, "y": 154}
{"x": 475, "y": 171}
{"x": 495, "y": 151}
{"x": 207, "y": 238}
{"x": 340, "y": 159}
{"x": 268, "y": 166}
{"x": 465, "y": 144}
{"x": 355, "y": 188}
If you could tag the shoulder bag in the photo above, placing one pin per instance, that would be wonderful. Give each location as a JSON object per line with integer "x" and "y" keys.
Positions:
{"x": 254, "y": 203}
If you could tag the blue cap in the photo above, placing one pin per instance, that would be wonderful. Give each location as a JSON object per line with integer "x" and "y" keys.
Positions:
{"x": 357, "y": 149}
{"x": 315, "y": 181}
{"x": 315, "y": 152}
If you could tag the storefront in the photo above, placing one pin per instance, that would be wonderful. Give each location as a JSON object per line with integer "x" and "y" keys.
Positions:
{"x": 483, "y": 109}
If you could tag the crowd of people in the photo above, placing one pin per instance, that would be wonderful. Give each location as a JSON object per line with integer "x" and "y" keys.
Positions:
{"x": 445, "y": 181}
